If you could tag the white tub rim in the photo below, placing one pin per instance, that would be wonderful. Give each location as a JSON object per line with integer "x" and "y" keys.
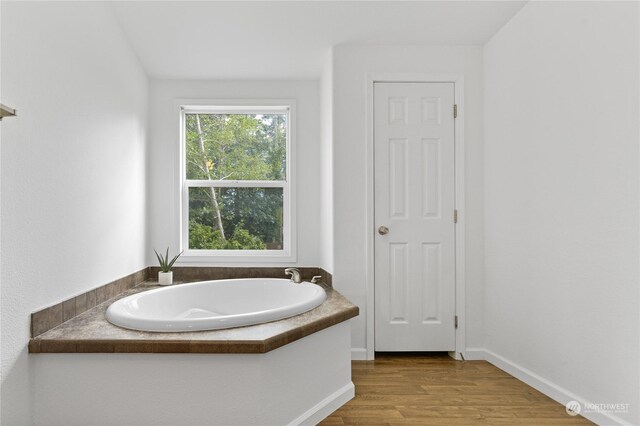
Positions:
{"x": 118, "y": 315}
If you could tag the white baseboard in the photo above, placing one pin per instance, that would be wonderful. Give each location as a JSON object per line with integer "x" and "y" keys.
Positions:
{"x": 324, "y": 408}
{"x": 358, "y": 354}
{"x": 474, "y": 354}
{"x": 548, "y": 388}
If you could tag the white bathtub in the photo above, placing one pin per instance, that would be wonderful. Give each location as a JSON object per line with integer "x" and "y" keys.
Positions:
{"x": 212, "y": 305}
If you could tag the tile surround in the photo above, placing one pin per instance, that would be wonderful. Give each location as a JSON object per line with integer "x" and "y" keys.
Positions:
{"x": 53, "y": 316}
{"x": 198, "y": 273}
{"x": 48, "y": 318}
{"x": 90, "y": 332}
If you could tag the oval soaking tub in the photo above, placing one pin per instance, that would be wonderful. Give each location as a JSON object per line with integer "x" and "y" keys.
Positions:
{"x": 212, "y": 305}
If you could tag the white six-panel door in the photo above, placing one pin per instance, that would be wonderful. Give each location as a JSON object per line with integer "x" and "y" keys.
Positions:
{"x": 414, "y": 200}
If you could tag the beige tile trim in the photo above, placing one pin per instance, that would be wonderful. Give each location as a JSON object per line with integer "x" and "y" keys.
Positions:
{"x": 48, "y": 318}
{"x": 52, "y": 316}
{"x": 201, "y": 273}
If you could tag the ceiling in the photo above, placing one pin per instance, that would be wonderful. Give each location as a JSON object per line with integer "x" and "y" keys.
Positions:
{"x": 290, "y": 39}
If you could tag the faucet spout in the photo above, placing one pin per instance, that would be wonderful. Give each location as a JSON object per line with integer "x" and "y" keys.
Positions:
{"x": 295, "y": 274}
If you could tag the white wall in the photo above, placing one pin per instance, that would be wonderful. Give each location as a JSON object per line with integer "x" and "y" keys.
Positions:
{"x": 326, "y": 165}
{"x": 164, "y": 161}
{"x": 561, "y": 179}
{"x": 1, "y": 372}
{"x": 350, "y": 67}
{"x": 73, "y": 169}
{"x": 299, "y": 383}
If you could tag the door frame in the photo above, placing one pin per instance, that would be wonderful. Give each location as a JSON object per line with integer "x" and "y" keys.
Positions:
{"x": 459, "y": 168}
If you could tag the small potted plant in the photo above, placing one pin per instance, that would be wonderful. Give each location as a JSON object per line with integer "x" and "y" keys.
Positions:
{"x": 165, "y": 276}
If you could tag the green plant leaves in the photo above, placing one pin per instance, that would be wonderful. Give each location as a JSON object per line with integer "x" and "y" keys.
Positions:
{"x": 166, "y": 266}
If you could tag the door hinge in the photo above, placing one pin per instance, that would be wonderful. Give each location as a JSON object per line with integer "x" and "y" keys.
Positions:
{"x": 455, "y": 216}
{"x": 455, "y": 110}
{"x": 455, "y": 321}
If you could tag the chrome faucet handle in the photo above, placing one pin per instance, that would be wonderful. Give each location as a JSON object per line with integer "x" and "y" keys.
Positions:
{"x": 295, "y": 274}
{"x": 316, "y": 279}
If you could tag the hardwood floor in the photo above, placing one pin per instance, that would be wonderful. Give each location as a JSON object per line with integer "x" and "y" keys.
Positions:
{"x": 434, "y": 389}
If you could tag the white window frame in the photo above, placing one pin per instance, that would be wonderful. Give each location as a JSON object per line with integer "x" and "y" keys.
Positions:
{"x": 288, "y": 252}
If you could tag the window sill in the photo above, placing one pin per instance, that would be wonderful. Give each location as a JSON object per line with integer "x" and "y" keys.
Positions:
{"x": 195, "y": 258}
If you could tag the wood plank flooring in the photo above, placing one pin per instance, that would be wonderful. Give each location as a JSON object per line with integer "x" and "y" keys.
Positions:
{"x": 434, "y": 389}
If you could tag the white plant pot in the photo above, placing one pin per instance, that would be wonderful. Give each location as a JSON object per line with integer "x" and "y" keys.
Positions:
{"x": 165, "y": 278}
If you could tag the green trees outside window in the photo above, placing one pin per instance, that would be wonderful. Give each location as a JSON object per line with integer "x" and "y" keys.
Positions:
{"x": 236, "y": 173}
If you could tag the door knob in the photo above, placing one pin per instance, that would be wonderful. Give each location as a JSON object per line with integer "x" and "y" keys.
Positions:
{"x": 383, "y": 230}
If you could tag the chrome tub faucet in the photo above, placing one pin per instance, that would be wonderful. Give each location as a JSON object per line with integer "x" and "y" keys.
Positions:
{"x": 295, "y": 274}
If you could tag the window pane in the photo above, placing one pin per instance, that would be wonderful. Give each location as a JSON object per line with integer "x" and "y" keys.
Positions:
{"x": 236, "y": 146}
{"x": 250, "y": 218}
